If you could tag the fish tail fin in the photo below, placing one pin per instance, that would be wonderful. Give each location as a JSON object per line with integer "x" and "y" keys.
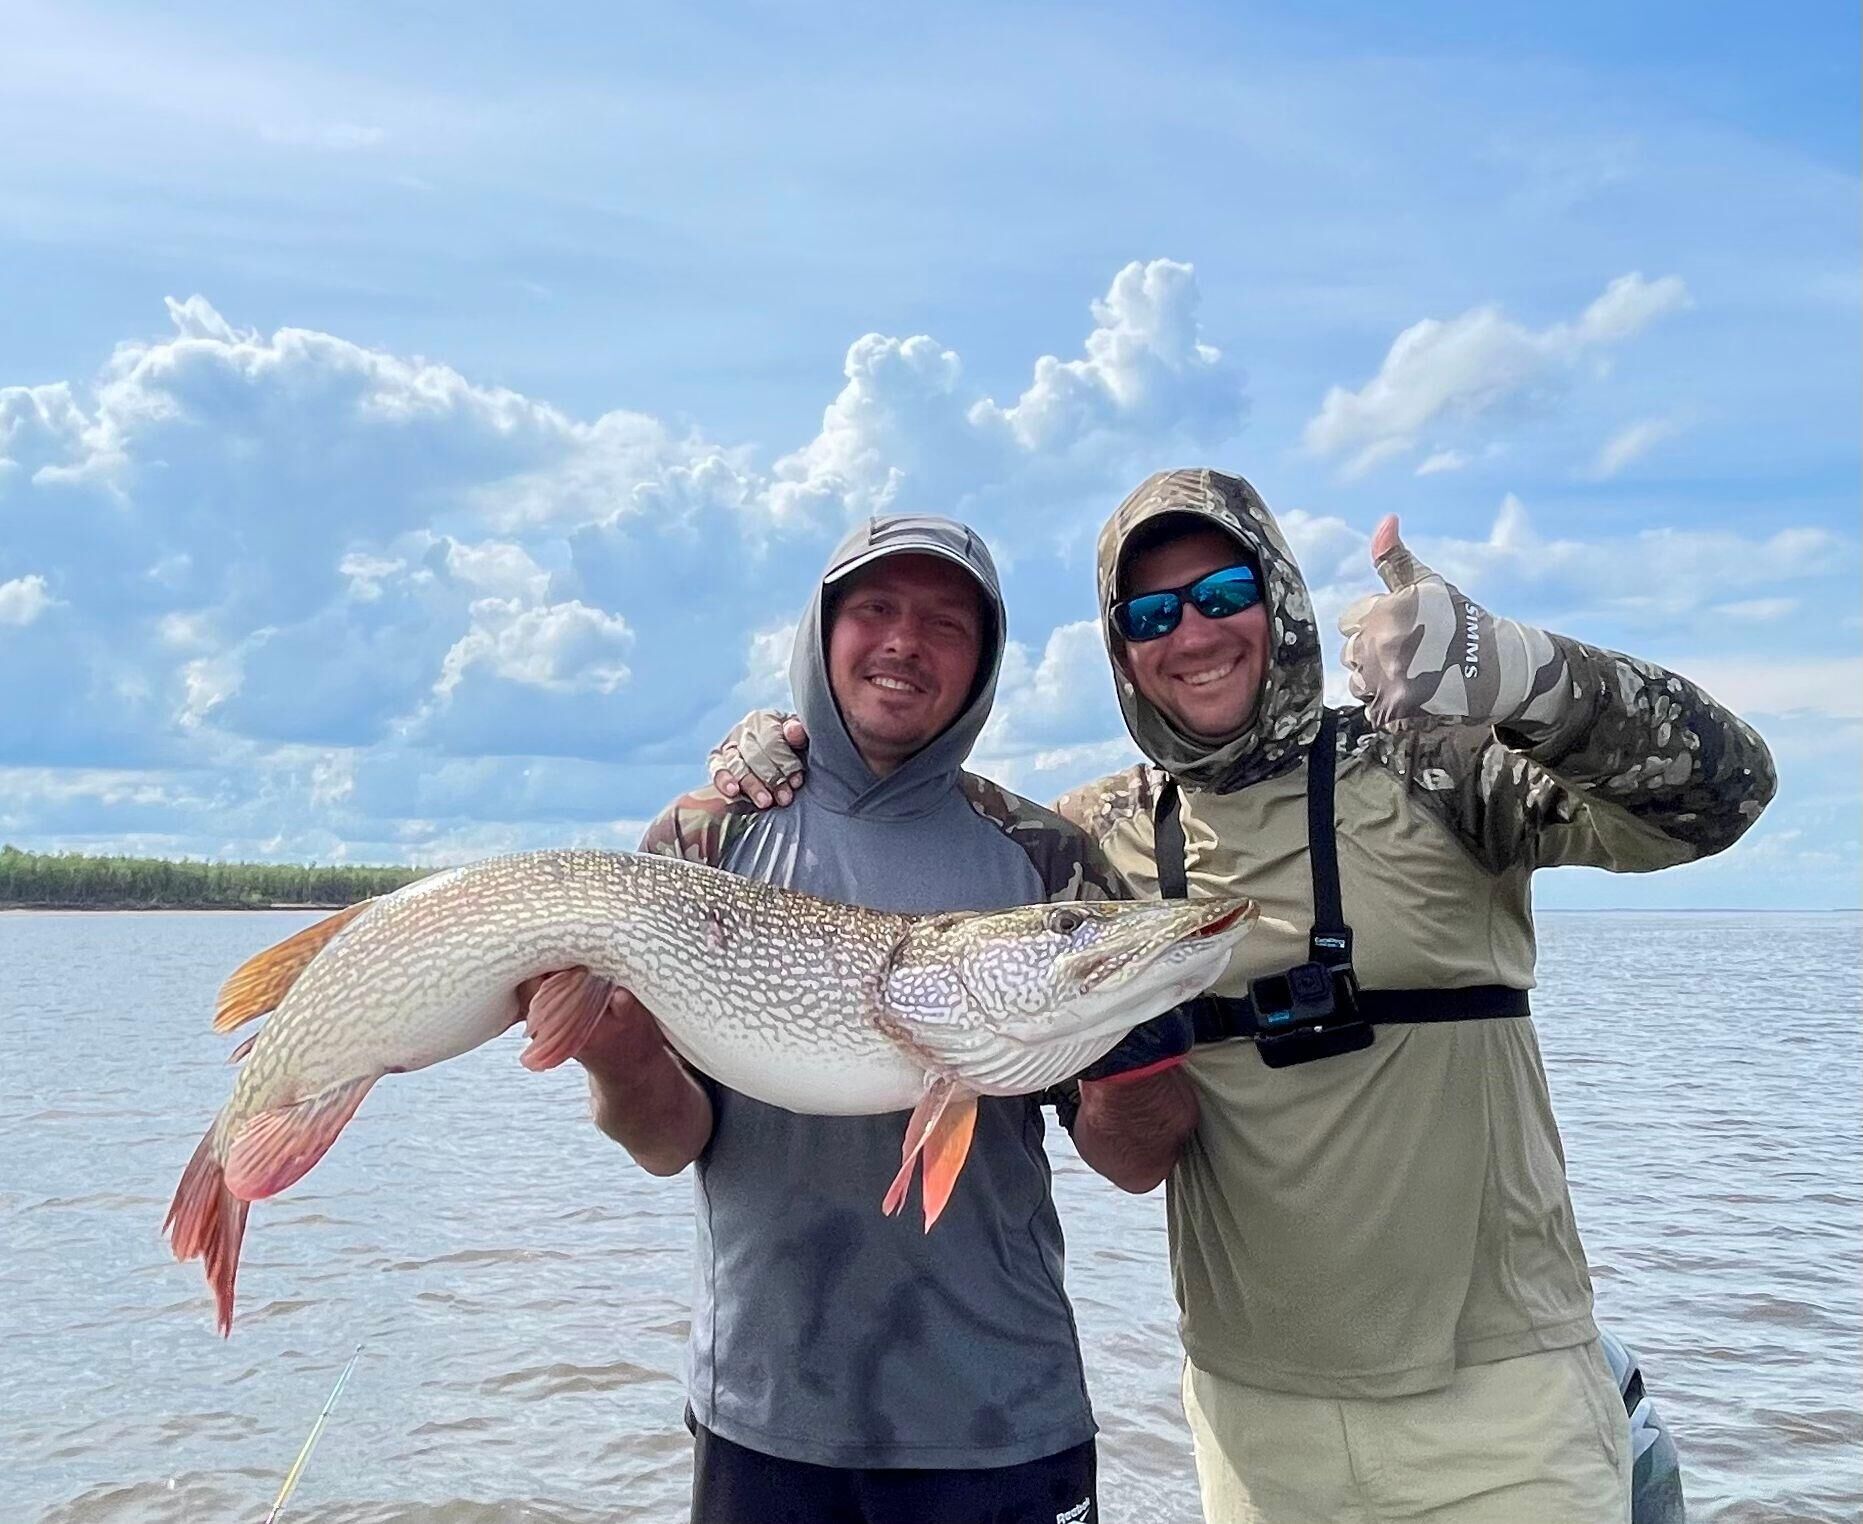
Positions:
{"x": 562, "y": 1014}
{"x": 259, "y": 983}
{"x": 938, "y": 1137}
{"x": 206, "y": 1221}
{"x": 278, "y": 1147}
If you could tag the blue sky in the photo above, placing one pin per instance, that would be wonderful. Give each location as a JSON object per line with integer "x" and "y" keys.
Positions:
{"x": 419, "y": 426}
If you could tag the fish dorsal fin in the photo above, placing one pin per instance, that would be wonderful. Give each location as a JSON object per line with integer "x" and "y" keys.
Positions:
{"x": 259, "y": 983}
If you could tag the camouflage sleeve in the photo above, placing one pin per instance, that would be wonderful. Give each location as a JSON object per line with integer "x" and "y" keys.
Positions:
{"x": 1656, "y": 746}
{"x": 1098, "y": 807}
{"x": 1116, "y": 813}
{"x": 1644, "y": 771}
{"x": 1070, "y": 864}
{"x": 696, "y": 826}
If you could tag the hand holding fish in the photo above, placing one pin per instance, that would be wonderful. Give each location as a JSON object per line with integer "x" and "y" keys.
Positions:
{"x": 640, "y": 1094}
{"x": 1422, "y": 652}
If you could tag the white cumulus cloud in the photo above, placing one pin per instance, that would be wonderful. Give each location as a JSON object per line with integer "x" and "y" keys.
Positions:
{"x": 1144, "y": 363}
{"x": 1470, "y": 365}
{"x": 908, "y": 432}
{"x": 1065, "y": 695}
{"x": 560, "y": 647}
{"x": 23, "y": 600}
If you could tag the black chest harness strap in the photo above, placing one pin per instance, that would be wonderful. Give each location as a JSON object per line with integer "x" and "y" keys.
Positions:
{"x": 1316, "y": 1008}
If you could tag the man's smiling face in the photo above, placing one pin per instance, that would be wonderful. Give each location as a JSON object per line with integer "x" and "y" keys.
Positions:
{"x": 1206, "y": 675}
{"x": 903, "y": 649}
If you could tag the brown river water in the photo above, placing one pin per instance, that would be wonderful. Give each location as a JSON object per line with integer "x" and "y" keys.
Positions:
{"x": 520, "y": 1290}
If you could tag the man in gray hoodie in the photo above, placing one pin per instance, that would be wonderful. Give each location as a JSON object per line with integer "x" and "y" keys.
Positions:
{"x": 844, "y": 1366}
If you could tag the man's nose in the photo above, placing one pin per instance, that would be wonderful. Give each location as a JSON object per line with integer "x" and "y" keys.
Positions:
{"x": 903, "y": 635}
{"x": 1192, "y": 628}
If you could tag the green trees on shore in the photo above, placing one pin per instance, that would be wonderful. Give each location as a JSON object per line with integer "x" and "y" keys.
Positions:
{"x": 69, "y": 880}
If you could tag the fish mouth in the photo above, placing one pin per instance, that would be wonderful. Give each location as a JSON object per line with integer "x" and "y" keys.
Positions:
{"x": 1224, "y": 921}
{"x": 1097, "y": 969}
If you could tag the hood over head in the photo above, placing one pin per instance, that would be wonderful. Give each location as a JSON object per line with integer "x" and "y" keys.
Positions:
{"x": 1287, "y": 714}
{"x": 839, "y": 777}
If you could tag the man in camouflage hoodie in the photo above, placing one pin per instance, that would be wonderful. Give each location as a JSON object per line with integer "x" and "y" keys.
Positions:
{"x": 1384, "y": 1300}
{"x": 845, "y": 1366}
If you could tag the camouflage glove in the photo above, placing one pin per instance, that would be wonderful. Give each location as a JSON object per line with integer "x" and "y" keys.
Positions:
{"x": 760, "y": 758}
{"x": 1424, "y": 653}
{"x": 1158, "y": 1044}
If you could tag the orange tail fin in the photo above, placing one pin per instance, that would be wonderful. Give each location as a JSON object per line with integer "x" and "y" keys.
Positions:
{"x": 942, "y": 1125}
{"x": 206, "y": 1221}
{"x": 259, "y": 983}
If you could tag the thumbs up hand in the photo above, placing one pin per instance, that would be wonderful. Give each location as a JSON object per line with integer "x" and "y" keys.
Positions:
{"x": 1422, "y": 652}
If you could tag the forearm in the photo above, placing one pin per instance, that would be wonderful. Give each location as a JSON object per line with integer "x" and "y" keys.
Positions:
{"x": 652, "y": 1106}
{"x": 1651, "y": 742}
{"x": 1132, "y": 1131}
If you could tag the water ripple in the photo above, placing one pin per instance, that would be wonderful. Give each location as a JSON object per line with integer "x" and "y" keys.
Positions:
{"x": 525, "y": 1309}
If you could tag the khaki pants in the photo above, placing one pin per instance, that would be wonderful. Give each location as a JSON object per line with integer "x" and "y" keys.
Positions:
{"x": 1540, "y": 1439}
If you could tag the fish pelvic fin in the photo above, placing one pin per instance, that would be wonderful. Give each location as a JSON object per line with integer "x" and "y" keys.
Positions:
{"x": 937, "y": 1139}
{"x": 259, "y": 983}
{"x": 562, "y": 1014}
{"x": 277, "y": 1148}
{"x": 206, "y": 1221}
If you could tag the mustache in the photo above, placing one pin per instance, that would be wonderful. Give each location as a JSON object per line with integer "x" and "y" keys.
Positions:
{"x": 905, "y": 671}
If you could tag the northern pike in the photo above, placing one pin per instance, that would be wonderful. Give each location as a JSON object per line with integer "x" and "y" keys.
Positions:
{"x": 796, "y": 1001}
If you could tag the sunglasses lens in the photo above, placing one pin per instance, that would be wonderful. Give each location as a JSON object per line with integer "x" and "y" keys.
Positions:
{"x": 1226, "y": 592}
{"x": 1148, "y": 617}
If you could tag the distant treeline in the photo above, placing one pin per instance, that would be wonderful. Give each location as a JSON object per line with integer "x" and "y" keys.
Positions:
{"x": 70, "y": 880}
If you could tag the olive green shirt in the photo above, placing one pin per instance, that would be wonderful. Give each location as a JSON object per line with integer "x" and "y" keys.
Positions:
{"x": 1362, "y": 1225}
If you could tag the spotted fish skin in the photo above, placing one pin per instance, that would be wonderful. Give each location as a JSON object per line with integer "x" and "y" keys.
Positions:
{"x": 431, "y": 972}
{"x": 798, "y": 1002}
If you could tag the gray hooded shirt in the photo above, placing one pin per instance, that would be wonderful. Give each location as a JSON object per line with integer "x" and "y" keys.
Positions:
{"x": 823, "y": 1331}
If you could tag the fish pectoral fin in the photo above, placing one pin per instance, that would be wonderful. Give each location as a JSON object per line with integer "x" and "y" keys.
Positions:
{"x": 259, "y": 983}
{"x": 939, "y": 1133}
{"x": 945, "y": 1153}
{"x": 278, "y": 1147}
{"x": 562, "y": 1014}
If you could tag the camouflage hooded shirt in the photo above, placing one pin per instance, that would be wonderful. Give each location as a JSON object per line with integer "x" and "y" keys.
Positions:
{"x": 1363, "y": 1225}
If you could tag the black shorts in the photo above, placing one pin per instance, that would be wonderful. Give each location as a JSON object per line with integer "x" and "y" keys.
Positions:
{"x": 733, "y": 1485}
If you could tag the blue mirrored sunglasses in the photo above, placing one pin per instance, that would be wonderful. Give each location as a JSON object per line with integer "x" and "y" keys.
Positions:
{"x": 1152, "y": 616}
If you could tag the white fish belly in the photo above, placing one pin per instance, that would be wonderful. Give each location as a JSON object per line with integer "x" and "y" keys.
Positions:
{"x": 818, "y": 1080}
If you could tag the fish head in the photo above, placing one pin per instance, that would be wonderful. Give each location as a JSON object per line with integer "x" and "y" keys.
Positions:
{"x": 1013, "y": 1001}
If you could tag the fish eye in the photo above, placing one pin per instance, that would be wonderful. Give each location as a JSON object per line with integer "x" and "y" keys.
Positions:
{"x": 1064, "y": 923}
